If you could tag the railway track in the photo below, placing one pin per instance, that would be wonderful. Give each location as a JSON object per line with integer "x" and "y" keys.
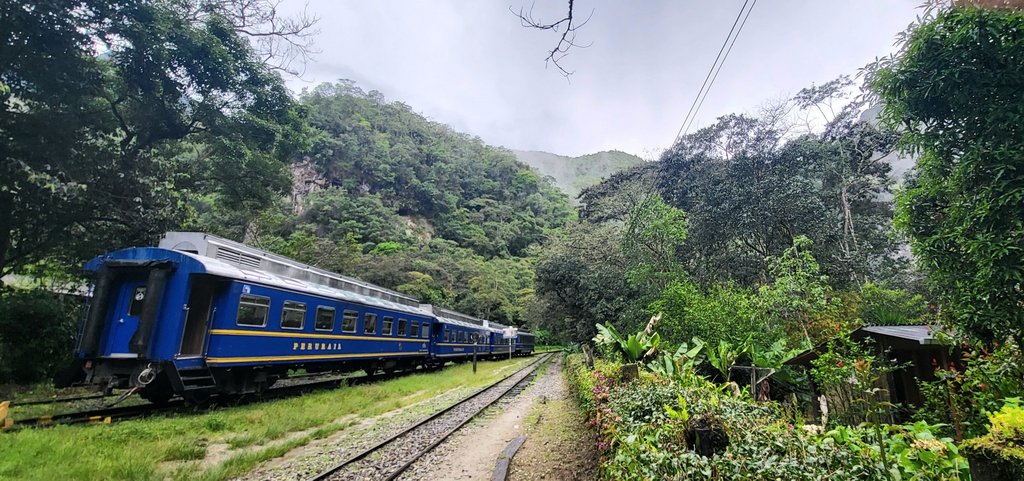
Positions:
{"x": 94, "y": 396}
{"x": 109, "y": 414}
{"x": 388, "y": 459}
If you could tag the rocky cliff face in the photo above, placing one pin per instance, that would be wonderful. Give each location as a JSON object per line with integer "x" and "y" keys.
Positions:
{"x": 305, "y": 180}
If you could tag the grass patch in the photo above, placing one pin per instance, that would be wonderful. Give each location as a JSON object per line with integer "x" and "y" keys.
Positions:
{"x": 186, "y": 450}
{"x": 139, "y": 449}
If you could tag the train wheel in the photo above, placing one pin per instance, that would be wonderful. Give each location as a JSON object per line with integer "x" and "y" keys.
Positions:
{"x": 159, "y": 391}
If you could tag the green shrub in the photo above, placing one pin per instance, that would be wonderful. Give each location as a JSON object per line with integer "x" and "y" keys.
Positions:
{"x": 37, "y": 334}
{"x": 644, "y": 429}
{"x": 962, "y": 399}
{"x": 1002, "y": 449}
{"x": 880, "y": 306}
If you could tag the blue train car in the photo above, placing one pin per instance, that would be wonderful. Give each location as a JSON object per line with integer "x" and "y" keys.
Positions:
{"x": 201, "y": 314}
{"x": 524, "y": 344}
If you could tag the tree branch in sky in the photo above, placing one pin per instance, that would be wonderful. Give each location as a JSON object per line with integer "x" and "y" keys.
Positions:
{"x": 567, "y": 26}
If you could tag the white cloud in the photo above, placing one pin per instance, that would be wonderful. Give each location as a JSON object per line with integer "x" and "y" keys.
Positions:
{"x": 471, "y": 65}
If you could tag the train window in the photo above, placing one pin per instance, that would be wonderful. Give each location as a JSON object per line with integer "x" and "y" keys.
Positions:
{"x": 324, "y": 319}
{"x": 253, "y": 310}
{"x": 401, "y": 327}
{"x": 138, "y": 297}
{"x": 415, "y": 329}
{"x": 348, "y": 321}
{"x": 463, "y": 336}
{"x": 370, "y": 324}
{"x": 426, "y": 331}
{"x": 386, "y": 328}
{"x": 446, "y": 334}
{"x": 474, "y": 337}
{"x": 293, "y": 315}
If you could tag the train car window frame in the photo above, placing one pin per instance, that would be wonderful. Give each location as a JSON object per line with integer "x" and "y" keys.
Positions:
{"x": 387, "y": 326}
{"x": 296, "y": 310}
{"x": 137, "y": 301}
{"x": 320, "y": 310}
{"x": 415, "y": 331}
{"x": 252, "y": 301}
{"x": 447, "y": 335}
{"x": 347, "y": 316}
{"x": 402, "y": 323}
{"x": 425, "y": 333}
{"x": 369, "y": 323}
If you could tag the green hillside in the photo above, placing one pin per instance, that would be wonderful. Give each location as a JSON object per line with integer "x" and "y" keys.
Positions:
{"x": 393, "y": 198}
{"x": 573, "y": 174}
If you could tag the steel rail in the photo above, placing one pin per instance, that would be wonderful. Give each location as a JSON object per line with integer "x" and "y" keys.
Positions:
{"x": 327, "y": 474}
{"x": 101, "y": 415}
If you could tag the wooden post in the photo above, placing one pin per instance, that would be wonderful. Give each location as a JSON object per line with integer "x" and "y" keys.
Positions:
{"x": 588, "y": 355}
{"x": 5, "y": 409}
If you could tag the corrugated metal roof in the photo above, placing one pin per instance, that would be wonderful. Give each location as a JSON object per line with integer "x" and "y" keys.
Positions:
{"x": 921, "y": 334}
{"x": 924, "y": 335}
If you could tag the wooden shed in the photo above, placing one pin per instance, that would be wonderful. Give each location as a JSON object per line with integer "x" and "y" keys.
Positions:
{"x": 917, "y": 347}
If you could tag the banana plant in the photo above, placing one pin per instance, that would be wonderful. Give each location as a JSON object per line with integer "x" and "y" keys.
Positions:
{"x": 634, "y": 347}
{"x": 725, "y": 356}
{"x": 683, "y": 360}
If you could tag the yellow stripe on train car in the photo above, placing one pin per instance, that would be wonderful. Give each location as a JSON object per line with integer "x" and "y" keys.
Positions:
{"x": 308, "y": 357}
{"x": 245, "y": 332}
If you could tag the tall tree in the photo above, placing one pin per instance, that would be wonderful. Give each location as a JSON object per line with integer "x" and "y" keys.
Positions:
{"x": 154, "y": 100}
{"x": 954, "y": 92}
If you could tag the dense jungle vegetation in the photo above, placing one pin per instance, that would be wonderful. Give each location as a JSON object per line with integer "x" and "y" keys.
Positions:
{"x": 749, "y": 242}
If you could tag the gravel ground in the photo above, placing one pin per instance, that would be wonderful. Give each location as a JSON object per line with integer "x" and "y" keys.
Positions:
{"x": 392, "y": 456}
{"x": 316, "y": 457}
{"x": 471, "y": 453}
{"x": 560, "y": 445}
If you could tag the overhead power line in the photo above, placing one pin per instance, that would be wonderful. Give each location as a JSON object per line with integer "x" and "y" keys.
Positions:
{"x": 716, "y": 67}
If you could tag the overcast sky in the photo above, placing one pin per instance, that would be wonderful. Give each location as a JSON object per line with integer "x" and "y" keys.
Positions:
{"x": 469, "y": 63}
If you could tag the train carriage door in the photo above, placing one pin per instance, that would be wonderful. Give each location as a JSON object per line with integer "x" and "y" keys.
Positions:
{"x": 127, "y": 307}
{"x": 200, "y": 310}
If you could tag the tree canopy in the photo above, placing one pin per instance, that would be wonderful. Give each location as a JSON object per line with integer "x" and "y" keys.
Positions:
{"x": 155, "y": 101}
{"x": 955, "y": 94}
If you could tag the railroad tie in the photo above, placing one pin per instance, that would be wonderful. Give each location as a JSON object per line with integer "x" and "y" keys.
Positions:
{"x": 505, "y": 459}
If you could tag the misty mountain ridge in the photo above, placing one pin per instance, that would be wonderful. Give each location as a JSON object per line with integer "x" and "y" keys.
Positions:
{"x": 573, "y": 174}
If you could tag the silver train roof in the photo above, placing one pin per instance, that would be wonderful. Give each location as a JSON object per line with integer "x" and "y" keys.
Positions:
{"x": 231, "y": 259}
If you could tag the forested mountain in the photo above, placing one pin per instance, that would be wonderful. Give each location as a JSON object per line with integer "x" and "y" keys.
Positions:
{"x": 391, "y": 197}
{"x": 573, "y": 174}
{"x": 744, "y": 193}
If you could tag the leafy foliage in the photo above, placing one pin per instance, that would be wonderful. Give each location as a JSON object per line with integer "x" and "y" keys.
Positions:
{"x": 1001, "y": 447}
{"x": 965, "y": 395}
{"x": 634, "y": 347}
{"x": 772, "y": 188}
{"x": 954, "y": 92}
{"x": 881, "y": 306}
{"x": 385, "y": 156}
{"x": 35, "y": 325}
{"x": 157, "y": 101}
{"x": 580, "y": 279}
{"x": 723, "y": 312}
{"x": 798, "y": 294}
{"x": 644, "y": 426}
